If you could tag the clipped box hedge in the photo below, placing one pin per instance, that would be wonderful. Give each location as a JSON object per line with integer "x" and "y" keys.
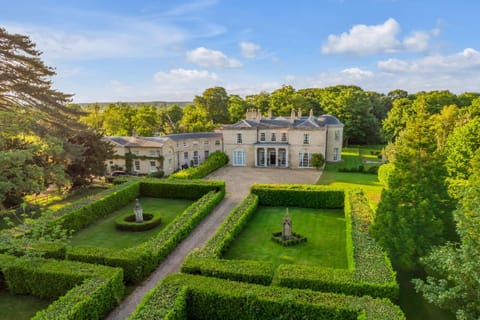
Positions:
{"x": 299, "y": 195}
{"x": 214, "y": 161}
{"x": 83, "y": 291}
{"x": 369, "y": 271}
{"x": 181, "y": 296}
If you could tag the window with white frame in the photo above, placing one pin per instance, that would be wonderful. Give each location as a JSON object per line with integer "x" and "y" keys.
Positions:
{"x": 336, "y": 153}
{"x": 196, "y": 158}
{"x": 262, "y": 136}
{"x": 185, "y": 155}
{"x": 152, "y": 153}
{"x": 185, "y": 144}
{"x": 137, "y": 165}
{"x": 284, "y": 137}
{"x": 136, "y": 152}
{"x": 239, "y": 158}
{"x": 206, "y": 142}
{"x": 304, "y": 159}
{"x": 217, "y": 142}
{"x": 239, "y": 138}
{"x": 207, "y": 153}
{"x": 306, "y": 138}
{"x": 273, "y": 137}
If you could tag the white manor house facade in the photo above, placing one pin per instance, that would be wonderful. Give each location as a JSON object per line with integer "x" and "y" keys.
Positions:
{"x": 282, "y": 142}
{"x": 257, "y": 141}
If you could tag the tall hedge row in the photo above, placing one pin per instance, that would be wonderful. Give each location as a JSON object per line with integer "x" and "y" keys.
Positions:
{"x": 215, "y": 161}
{"x": 299, "y": 195}
{"x": 86, "y": 291}
{"x": 211, "y": 298}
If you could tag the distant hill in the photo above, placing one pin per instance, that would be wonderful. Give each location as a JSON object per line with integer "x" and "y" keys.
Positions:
{"x": 159, "y": 104}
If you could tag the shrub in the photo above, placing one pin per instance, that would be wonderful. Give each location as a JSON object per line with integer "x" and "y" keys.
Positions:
{"x": 210, "y": 298}
{"x": 215, "y": 161}
{"x": 127, "y": 222}
{"x": 296, "y": 239}
{"x": 179, "y": 189}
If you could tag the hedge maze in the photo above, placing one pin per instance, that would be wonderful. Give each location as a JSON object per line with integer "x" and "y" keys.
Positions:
{"x": 89, "y": 281}
{"x": 215, "y": 288}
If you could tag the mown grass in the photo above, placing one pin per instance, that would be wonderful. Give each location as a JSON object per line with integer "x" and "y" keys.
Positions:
{"x": 20, "y": 307}
{"x": 352, "y": 158}
{"x": 104, "y": 234}
{"x": 325, "y": 230}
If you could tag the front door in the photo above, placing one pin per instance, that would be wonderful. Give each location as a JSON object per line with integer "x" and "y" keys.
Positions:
{"x": 273, "y": 159}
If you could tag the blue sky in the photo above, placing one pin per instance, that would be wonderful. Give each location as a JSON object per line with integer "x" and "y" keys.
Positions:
{"x": 173, "y": 50}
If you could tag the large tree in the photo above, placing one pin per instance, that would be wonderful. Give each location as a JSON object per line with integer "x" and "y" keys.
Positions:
{"x": 414, "y": 213}
{"x": 454, "y": 269}
{"x": 214, "y": 101}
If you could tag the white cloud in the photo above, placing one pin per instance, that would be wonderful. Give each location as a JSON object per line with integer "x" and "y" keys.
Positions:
{"x": 211, "y": 58}
{"x": 467, "y": 60}
{"x": 363, "y": 39}
{"x": 356, "y": 73}
{"x": 249, "y": 49}
{"x": 190, "y": 7}
{"x": 382, "y": 38}
{"x": 183, "y": 76}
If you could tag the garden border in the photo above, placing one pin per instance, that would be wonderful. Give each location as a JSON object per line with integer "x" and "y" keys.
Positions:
{"x": 179, "y": 296}
{"x": 369, "y": 270}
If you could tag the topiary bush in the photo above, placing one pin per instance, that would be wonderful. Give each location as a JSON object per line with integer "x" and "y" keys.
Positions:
{"x": 127, "y": 222}
{"x": 294, "y": 240}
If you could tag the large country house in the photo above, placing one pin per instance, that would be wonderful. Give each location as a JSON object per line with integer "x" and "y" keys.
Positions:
{"x": 282, "y": 142}
{"x": 257, "y": 141}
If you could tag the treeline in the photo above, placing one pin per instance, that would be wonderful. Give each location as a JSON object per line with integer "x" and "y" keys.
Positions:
{"x": 369, "y": 117}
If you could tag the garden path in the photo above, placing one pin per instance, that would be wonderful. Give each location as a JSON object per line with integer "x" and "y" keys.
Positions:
{"x": 238, "y": 181}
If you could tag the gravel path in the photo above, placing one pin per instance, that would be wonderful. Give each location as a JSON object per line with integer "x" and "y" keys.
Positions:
{"x": 238, "y": 181}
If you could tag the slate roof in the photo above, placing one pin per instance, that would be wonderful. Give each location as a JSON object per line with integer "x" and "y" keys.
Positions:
{"x": 283, "y": 122}
{"x": 134, "y": 142}
{"x": 193, "y": 135}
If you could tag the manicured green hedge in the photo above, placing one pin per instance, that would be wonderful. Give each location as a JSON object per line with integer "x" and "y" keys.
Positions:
{"x": 179, "y": 189}
{"x": 86, "y": 291}
{"x": 238, "y": 270}
{"x": 138, "y": 262}
{"x": 211, "y": 298}
{"x": 369, "y": 271}
{"x": 299, "y": 195}
{"x": 215, "y": 161}
{"x": 127, "y": 222}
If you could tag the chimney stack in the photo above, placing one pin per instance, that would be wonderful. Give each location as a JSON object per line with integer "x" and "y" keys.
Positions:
{"x": 299, "y": 113}
{"x": 311, "y": 114}
{"x": 292, "y": 116}
{"x": 270, "y": 113}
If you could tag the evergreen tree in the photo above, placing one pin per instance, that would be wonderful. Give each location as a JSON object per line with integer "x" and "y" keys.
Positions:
{"x": 415, "y": 211}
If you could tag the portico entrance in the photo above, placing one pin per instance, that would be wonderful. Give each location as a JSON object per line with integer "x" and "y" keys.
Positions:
{"x": 271, "y": 157}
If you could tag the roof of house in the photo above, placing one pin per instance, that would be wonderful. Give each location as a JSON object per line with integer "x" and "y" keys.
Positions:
{"x": 193, "y": 135}
{"x": 284, "y": 122}
{"x": 135, "y": 141}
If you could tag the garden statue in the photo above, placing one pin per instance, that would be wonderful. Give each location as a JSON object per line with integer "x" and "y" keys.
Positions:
{"x": 287, "y": 227}
{"x": 138, "y": 211}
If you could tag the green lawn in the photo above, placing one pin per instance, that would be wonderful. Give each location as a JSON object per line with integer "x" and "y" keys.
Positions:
{"x": 325, "y": 230}
{"x": 104, "y": 234}
{"x": 351, "y": 158}
{"x": 19, "y": 307}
